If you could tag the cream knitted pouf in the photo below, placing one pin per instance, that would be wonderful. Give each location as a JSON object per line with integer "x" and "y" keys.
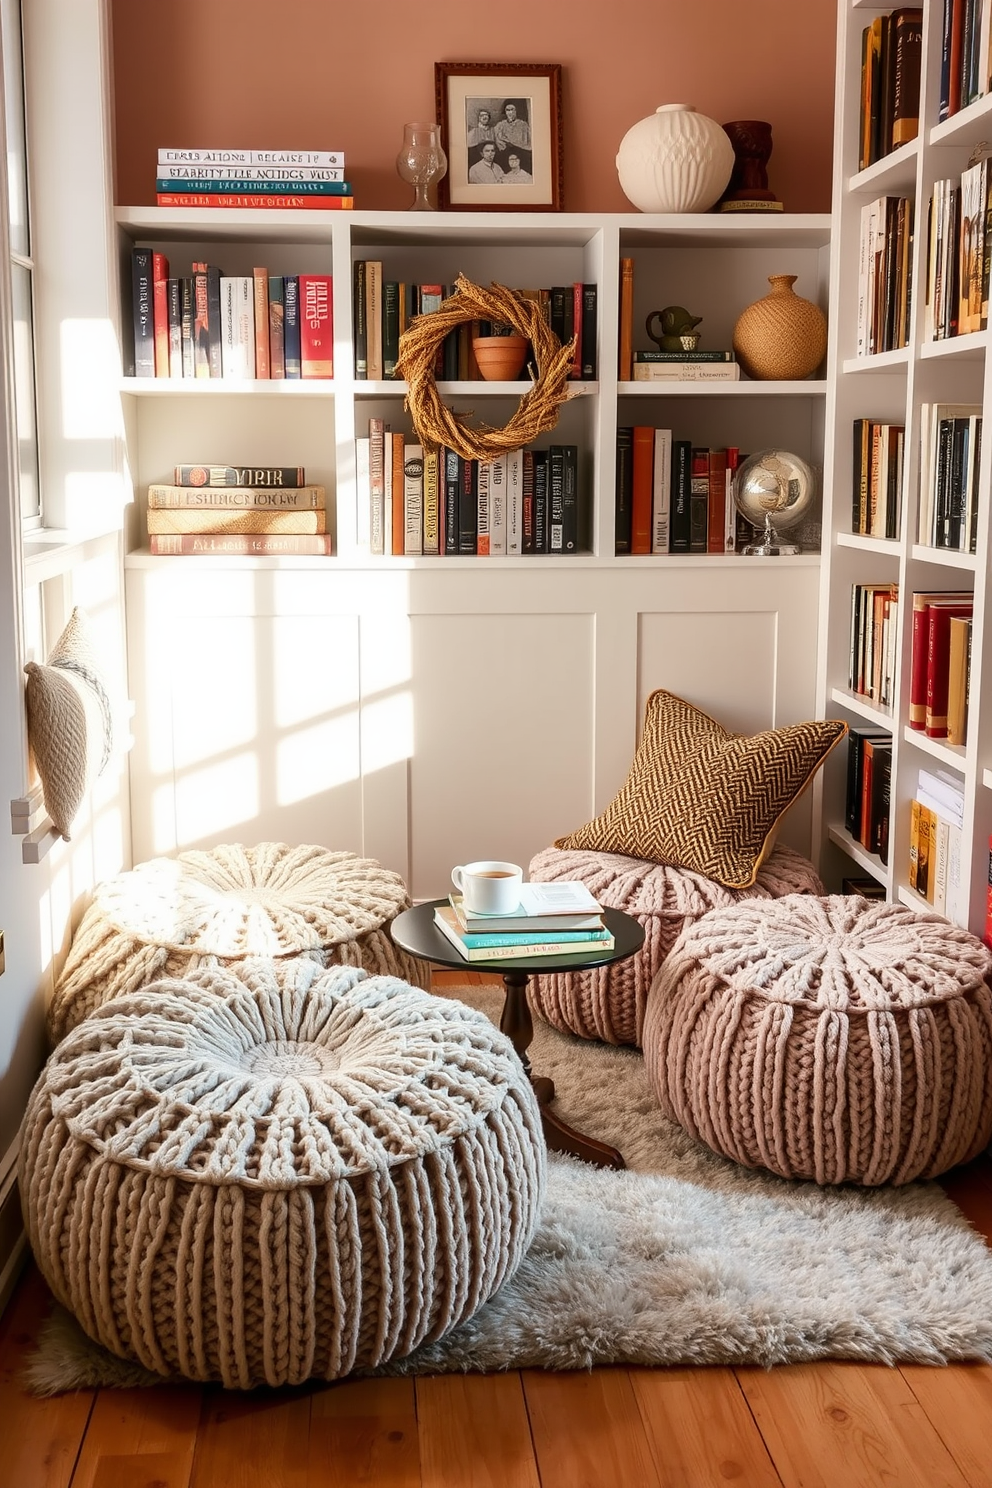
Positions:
{"x": 252, "y": 1179}
{"x": 171, "y": 915}
{"x": 608, "y": 1002}
{"x": 836, "y": 1038}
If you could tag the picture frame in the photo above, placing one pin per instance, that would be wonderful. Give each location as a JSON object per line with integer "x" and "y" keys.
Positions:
{"x": 501, "y": 131}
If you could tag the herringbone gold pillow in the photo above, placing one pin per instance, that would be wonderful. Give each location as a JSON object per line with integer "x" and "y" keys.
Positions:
{"x": 703, "y": 798}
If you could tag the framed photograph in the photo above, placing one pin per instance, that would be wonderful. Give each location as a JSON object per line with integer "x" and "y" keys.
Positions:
{"x": 501, "y": 131}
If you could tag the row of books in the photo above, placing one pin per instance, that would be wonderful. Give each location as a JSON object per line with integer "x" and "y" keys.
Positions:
{"x": 383, "y": 308}
{"x": 239, "y": 327}
{"x": 884, "y": 274}
{"x": 959, "y": 249}
{"x": 950, "y": 456}
{"x": 255, "y": 510}
{"x": 672, "y": 496}
{"x": 544, "y": 925}
{"x": 869, "y": 789}
{"x": 285, "y": 179}
{"x": 938, "y": 625}
{"x": 965, "y": 58}
{"x": 936, "y": 825}
{"x": 876, "y": 491}
{"x": 874, "y": 642}
{"x": 891, "y": 54}
{"x": 439, "y": 503}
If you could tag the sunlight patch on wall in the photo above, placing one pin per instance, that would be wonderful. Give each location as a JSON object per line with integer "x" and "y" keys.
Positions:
{"x": 94, "y": 499}
{"x": 211, "y": 800}
{"x": 386, "y": 652}
{"x": 312, "y": 760}
{"x": 216, "y": 699}
{"x": 387, "y": 731}
{"x": 312, "y": 680}
{"x": 91, "y": 370}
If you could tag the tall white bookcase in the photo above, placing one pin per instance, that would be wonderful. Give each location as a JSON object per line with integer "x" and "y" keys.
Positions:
{"x": 892, "y": 386}
{"x": 420, "y": 709}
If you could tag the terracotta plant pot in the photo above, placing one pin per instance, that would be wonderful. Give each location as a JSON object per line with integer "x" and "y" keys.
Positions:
{"x": 500, "y": 358}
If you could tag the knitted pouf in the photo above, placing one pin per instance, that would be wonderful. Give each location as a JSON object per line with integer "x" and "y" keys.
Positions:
{"x": 171, "y": 915}
{"x": 608, "y": 1002}
{"x": 252, "y": 1179}
{"x": 839, "y": 1039}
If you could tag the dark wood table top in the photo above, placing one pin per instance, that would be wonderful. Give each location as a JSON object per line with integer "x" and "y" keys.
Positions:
{"x": 414, "y": 930}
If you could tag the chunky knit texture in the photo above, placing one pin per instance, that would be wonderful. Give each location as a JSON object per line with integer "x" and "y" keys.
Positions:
{"x": 169, "y": 916}
{"x": 835, "y": 1038}
{"x": 259, "y": 1179}
{"x": 608, "y": 1002}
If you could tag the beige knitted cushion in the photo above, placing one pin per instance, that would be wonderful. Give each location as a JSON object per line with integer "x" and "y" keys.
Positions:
{"x": 171, "y": 915}
{"x": 608, "y": 1002}
{"x": 254, "y": 1179}
{"x": 837, "y": 1038}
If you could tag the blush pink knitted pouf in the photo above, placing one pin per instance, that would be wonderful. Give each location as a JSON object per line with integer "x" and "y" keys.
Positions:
{"x": 608, "y": 1002}
{"x": 837, "y": 1038}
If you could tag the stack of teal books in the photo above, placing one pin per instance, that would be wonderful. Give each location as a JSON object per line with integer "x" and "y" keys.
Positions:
{"x": 552, "y": 919}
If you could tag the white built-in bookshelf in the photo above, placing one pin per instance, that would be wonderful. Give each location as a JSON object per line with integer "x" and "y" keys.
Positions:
{"x": 896, "y": 386}
{"x": 419, "y": 708}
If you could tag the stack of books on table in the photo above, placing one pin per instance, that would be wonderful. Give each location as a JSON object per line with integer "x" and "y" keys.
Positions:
{"x": 258, "y": 510}
{"x": 283, "y": 179}
{"x": 552, "y": 919}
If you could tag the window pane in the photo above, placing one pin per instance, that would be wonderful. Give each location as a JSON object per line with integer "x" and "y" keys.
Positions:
{"x": 13, "y": 90}
{"x": 24, "y": 404}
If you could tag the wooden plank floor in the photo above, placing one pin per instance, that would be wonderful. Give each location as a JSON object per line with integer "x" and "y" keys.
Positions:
{"x": 804, "y": 1426}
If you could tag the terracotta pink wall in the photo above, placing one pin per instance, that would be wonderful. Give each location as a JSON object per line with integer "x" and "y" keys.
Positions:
{"x": 319, "y": 74}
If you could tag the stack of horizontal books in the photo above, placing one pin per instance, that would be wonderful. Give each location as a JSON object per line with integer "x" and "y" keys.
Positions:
{"x": 281, "y": 179}
{"x": 259, "y": 510}
{"x": 552, "y": 919}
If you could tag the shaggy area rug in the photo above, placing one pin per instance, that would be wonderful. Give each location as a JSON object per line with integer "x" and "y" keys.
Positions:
{"x": 683, "y": 1259}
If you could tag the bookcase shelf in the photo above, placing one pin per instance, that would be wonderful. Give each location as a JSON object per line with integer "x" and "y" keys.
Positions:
{"x": 894, "y": 387}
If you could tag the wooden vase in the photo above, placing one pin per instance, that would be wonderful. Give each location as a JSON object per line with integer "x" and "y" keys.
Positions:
{"x": 500, "y": 358}
{"x": 781, "y": 336}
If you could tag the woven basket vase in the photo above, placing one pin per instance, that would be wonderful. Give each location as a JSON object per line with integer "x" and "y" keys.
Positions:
{"x": 169, "y": 916}
{"x": 837, "y": 1038}
{"x": 781, "y": 335}
{"x": 260, "y": 1180}
{"x": 609, "y": 1002}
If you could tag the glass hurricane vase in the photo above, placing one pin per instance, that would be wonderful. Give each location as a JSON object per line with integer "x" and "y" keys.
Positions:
{"x": 421, "y": 162}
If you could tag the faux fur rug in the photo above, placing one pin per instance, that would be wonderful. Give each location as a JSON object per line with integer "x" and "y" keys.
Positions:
{"x": 683, "y": 1259}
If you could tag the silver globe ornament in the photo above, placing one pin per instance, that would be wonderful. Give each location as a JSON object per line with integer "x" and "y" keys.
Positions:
{"x": 774, "y": 489}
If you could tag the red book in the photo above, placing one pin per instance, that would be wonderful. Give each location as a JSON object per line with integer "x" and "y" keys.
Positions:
{"x": 243, "y": 199}
{"x": 939, "y": 664}
{"x": 160, "y": 312}
{"x": 919, "y": 651}
{"x": 578, "y": 295}
{"x": 316, "y": 326}
{"x": 716, "y": 526}
{"x": 642, "y": 489}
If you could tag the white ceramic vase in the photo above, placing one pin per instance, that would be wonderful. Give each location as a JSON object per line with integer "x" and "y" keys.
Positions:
{"x": 675, "y": 161}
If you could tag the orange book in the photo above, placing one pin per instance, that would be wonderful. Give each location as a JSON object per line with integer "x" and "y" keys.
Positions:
{"x": 261, "y": 278}
{"x": 642, "y": 489}
{"x": 397, "y": 535}
{"x": 717, "y": 514}
{"x": 938, "y": 665}
{"x": 254, "y": 200}
{"x": 625, "y": 370}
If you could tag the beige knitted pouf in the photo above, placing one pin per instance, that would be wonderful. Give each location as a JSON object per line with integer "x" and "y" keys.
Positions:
{"x": 608, "y": 1002}
{"x": 835, "y": 1038}
{"x": 171, "y": 915}
{"x": 252, "y": 1179}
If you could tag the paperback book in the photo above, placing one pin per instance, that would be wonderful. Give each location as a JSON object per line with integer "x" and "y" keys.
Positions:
{"x": 592, "y": 944}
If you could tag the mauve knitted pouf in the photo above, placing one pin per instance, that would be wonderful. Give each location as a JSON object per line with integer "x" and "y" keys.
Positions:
{"x": 171, "y": 915}
{"x": 608, "y": 1002}
{"x": 837, "y": 1038}
{"x": 258, "y": 1180}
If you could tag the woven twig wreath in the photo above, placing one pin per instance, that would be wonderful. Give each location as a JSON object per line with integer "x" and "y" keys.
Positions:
{"x": 437, "y": 425}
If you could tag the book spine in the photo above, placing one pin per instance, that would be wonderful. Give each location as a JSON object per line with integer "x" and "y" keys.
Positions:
{"x": 239, "y": 475}
{"x": 590, "y": 354}
{"x": 277, "y": 326}
{"x": 626, "y": 329}
{"x": 556, "y": 499}
{"x": 550, "y": 938}
{"x": 160, "y": 312}
{"x": 359, "y": 324}
{"x": 213, "y": 321}
{"x": 514, "y": 502}
{"x": 279, "y": 186}
{"x": 681, "y": 492}
{"x": 143, "y": 318}
{"x": 577, "y": 307}
{"x": 527, "y": 518}
{"x": 198, "y": 175}
{"x": 624, "y": 489}
{"x": 452, "y": 501}
{"x": 235, "y": 519}
{"x": 260, "y": 280}
{"x": 373, "y": 318}
{"x": 236, "y": 157}
{"x": 244, "y": 544}
{"x": 201, "y": 321}
{"x": 687, "y": 372}
{"x": 175, "y": 319}
{"x": 186, "y": 324}
{"x": 717, "y": 474}
{"x": 570, "y": 519}
{"x": 497, "y": 506}
{"x": 413, "y": 499}
{"x": 483, "y": 471}
{"x": 661, "y": 509}
{"x": 238, "y": 498}
{"x": 642, "y": 488}
{"x": 316, "y": 326}
{"x": 390, "y": 326}
{"x": 377, "y": 486}
{"x": 938, "y": 666}
{"x": 647, "y": 358}
{"x": 541, "y": 501}
{"x": 432, "y": 502}
{"x": 291, "y": 326}
{"x": 394, "y": 533}
{"x": 699, "y": 493}
{"x": 256, "y": 200}
{"x": 468, "y": 506}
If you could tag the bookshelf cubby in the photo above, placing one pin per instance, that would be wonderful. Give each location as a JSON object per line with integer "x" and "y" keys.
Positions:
{"x": 898, "y": 387}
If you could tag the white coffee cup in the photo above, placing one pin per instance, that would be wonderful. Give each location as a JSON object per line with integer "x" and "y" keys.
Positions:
{"x": 489, "y": 887}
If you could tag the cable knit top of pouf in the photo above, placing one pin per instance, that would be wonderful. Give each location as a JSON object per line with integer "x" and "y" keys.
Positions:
{"x": 255, "y": 1177}
{"x": 168, "y": 915}
{"x": 833, "y": 1038}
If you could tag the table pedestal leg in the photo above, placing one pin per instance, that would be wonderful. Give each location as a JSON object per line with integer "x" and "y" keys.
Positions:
{"x": 518, "y": 1026}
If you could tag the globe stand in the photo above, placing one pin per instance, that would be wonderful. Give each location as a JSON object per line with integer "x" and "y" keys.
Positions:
{"x": 771, "y": 545}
